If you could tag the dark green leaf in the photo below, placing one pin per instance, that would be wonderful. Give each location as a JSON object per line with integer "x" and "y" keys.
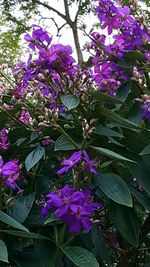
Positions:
{"x": 12, "y": 222}
{"x": 135, "y": 114}
{"x": 50, "y": 220}
{"x": 134, "y": 56}
{"x": 33, "y": 158}
{"x": 102, "y": 130}
{"x": 38, "y": 258}
{"x": 63, "y": 144}
{"x": 117, "y": 118}
{"x": 70, "y": 101}
{"x": 21, "y": 207}
{"x": 106, "y": 164}
{"x": 100, "y": 244}
{"x": 3, "y": 252}
{"x": 115, "y": 188}
{"x": 24, "y": 234}
{"x": 145, "y": 151}
{"x": 99, "y": 96}
{"x": 142, "y": 197}
{"x": 126, "y": 222}
{"x": 141, "y": 171}
{"x": 123, "y": 91}
{"x": 110, "y": 153}
{"x": 80, "y": 256}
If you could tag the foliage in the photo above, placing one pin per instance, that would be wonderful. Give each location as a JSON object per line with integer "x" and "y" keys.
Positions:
{"x": 75, "y": 150}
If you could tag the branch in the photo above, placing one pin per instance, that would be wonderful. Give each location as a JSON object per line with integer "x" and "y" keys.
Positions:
{"x": 68, "y": 19}
{"x": 78, "y": 12}
{"x": 38, "y": 2}
{"x": 58, "y": 28}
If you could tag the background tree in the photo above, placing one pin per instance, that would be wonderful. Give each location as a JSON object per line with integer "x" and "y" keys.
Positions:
{"x": 16, "y": 18}
{"x": 30, "y": 8}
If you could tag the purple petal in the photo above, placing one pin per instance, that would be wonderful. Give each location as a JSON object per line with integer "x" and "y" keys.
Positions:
{"x": 75, "y": 226}
{"x": 86, "y": 223}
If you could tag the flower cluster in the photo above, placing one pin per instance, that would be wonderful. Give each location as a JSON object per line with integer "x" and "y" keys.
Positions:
{"x": 126, "y": 34}
{"x": 47, "y": 70}
{"x": 72, "y": 207}
{"x": 9, "y": 173}
{"x": 76, "y": 158}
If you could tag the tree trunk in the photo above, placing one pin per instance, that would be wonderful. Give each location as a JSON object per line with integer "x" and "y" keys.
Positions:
{"x": 77, "y": 44}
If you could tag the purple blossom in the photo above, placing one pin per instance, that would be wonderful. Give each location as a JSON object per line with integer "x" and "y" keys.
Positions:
{"x": 25, "y": 117}
{"x": 72, "y": 207}
{"x": 70, "y": 162}
{"x": 146, "y": 110}
{"x": 4, "y": 139}
{"x": 47, "y": 141}
{"x": 75, "y": 158}
{"x": 9, "y": 173}
{"x": 130, "y": 35}
{"x": 89, "y": 163}
{"x": 38, "y": 37}
{"x": 46, "y": 68}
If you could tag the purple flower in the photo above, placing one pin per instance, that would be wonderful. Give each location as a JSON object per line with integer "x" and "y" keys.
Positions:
{"x": 146, "y": 110}
{"x": 89, "y": 163}
{"x": 74, "y": 159}
{"x": 72, "y": 207}
{"x": 47, "y": 141}
{"x": 69, "y": 163}
{"x": 38, "y": 37}
{"x": 4, "y": 139}
{"x": 25, "y": 117}
{"x": 9, "y": 172}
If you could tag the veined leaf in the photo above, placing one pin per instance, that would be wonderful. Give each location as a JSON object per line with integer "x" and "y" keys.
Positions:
{"x": 115, "y": 188}
{"x": 80, "y": 256}
{"x": 34, "y": 157}
{"x": 110, "y": 153}
{"x": 70, "y": 101}
{"x": 3, "y": 252}
{"x": 12, "y": 222}
{"x": 126, "y": 222}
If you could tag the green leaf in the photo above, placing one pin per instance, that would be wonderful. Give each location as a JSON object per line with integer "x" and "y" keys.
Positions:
{"x": 41, "y": 256}
{"x": 141, "y": 171}
{"x": 106, "y": 164}
{"x": 142, "y": 197}
{"x": 134, "y": 114}
{"x": 3, "y": 252}
{"x": 21, "y": 207}
{"x": 109, "y": 114}
{"x": 115, "y": 188}
{"x": 33, "y": 158}
{"x": 12, "y": 222}
{"x": 99, "y": 96}
{"x": 126, "y": 222}
{"x": 102, "y": 130}
{"x": 145, "y": 151}
{"x": 123, "y": 91}
{"x": 24, "y": 234}
{"x": 50, "y": 220}
{"x": 99, "y": 242}
{"x": 134, "y": 56}
{"x": 70, "y": 101}
{"x": 80, "y": 256}
{"x": 110, "y": 153}
{"x": 63, "y": 144}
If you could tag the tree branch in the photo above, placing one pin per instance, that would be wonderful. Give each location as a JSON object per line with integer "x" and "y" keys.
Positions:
{"x": 77, "y": 13}
{"x": 68, "y": 19}
{"x": 38, "y": 2}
